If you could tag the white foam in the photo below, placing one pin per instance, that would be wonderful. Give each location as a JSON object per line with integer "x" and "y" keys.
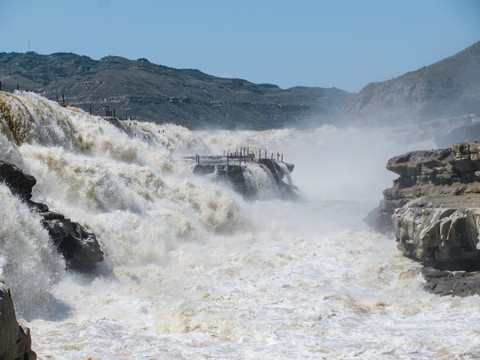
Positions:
{"x": 198, "y": 272}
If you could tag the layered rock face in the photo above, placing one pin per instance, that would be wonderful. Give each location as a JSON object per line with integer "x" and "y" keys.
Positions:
{"x": 435, "y": 205}
{"x": 434, "y": 209}
{"x": 15, "y": 340}
{"x": 79, "y": 246}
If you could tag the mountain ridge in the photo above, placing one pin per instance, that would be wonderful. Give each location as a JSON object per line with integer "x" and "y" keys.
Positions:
{"x": 444, "y": 89}
{"x": 159, "y": 93}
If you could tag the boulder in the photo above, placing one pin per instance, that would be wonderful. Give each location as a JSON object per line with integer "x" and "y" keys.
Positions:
{"x": 79, "y": 246}
{"x": 20, "y": 183}
{"x": 15, "y": 340}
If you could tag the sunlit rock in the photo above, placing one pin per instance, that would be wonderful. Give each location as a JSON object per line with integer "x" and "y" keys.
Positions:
{"x": 15, "y": 341}
{"x": 433, "y": 208}
{"x": 439, "y": 232}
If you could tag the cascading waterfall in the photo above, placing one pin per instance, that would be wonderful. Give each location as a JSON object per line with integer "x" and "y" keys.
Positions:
{"x": 191, "y": 269}
{"x": 118, "y": 183}
{"x": 260, "y": 179}
{"x": 28, "y": 260}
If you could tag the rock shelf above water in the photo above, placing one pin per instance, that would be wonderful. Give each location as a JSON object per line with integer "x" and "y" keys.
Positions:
{"x": 242, "y": 174}
{"x": 434, "y": 210}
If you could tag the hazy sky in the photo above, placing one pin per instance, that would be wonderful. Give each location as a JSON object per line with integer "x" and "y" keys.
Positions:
{"x": 343, "y": 44}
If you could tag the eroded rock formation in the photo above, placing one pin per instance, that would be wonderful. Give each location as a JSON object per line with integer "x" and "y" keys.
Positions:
{"x": 79, "y": 246}
{"x": 434, "y": 210}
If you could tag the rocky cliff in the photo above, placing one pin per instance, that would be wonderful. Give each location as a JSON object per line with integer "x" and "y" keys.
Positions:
{"x": 434, "y": 210}
{"x": 446, "y": 89}
{"x": 161, "y": 94}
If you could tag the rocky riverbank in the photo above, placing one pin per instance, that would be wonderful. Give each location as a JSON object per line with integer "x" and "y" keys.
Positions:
{"x": 434, "y": 210}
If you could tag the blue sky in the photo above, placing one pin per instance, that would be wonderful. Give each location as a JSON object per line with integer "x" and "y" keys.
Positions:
{"x": 345, "y": 43}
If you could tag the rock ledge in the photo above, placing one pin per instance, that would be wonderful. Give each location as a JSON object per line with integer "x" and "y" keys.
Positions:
{"x": 434, "y": 210}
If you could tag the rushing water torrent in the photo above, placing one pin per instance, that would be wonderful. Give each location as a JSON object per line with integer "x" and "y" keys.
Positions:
{"x": 194, "y": 271}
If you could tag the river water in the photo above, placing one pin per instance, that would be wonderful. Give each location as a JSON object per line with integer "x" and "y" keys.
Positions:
{"x": 194, "y": 271}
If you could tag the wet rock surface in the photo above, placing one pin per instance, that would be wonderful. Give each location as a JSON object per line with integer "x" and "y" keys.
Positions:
{"x": 433, "y": 208}
{"x": 19, "y": 183}
{"x": 458, "y": 283}
{"x": 78, "y": 246}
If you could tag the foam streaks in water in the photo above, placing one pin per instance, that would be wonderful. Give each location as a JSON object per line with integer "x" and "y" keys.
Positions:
{"x": 194, "y": 271}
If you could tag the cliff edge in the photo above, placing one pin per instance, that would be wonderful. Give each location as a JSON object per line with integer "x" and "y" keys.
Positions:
{"x": 434, "y": 210}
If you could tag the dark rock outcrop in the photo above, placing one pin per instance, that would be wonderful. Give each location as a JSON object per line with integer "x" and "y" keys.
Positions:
{"x": 19, "y": 183}
{"x": 458, "y": 283}
{"x": 161, "y": 94}
{"x": 434, "y": 210}
{"x": 78, "y": 246}
{"x": 15, "y": 340}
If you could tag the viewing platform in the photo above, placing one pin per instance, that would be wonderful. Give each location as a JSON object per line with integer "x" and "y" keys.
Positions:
{"x": 248, "y": 172}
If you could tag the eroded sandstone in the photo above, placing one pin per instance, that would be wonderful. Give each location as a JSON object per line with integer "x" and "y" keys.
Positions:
{"x": 433, "y": 208}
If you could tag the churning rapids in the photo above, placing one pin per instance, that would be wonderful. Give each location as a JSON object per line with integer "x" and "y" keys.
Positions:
{"x": 194, "y": 271}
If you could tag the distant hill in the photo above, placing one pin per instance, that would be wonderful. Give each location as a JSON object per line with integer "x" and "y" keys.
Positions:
{"x": 448, "y": 88}
{"x": 161, "y": 94}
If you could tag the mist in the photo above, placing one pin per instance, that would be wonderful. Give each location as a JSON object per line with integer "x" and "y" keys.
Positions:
{"x": 331, "y": 163}
{"x": 194, "y": 269}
